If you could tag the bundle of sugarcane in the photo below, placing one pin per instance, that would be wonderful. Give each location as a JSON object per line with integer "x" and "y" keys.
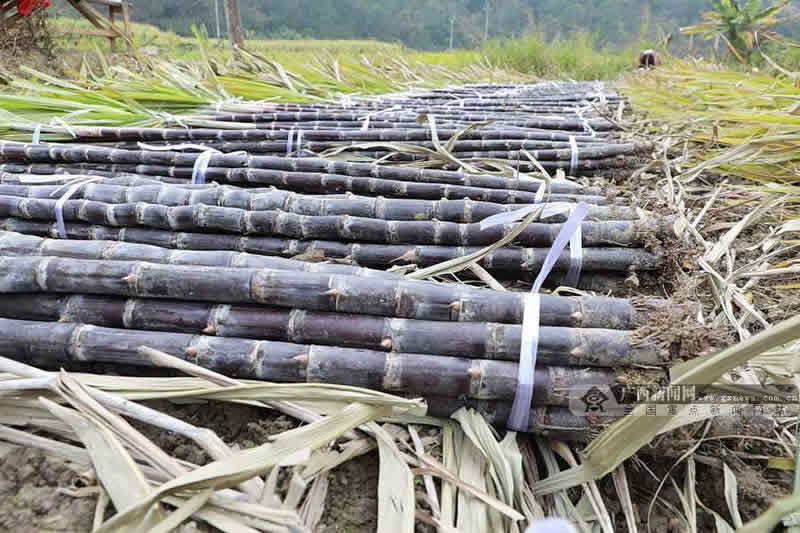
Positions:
{"x": 547, "y": 149}
{"x": 330, "y": 185}
{"x": 100, "y": 134}
{"x": 520, "y": 160}
{"x": 387, "y": 158}
{"x": 36, "y": 153}
{"x": 403, "y": 186}
{"x": 603, "y": 269}
{"x": 270, "y": 199}
{"x": 341, "y": 227}
{"x": 294, "y": 325}
{"x": 262, "y": 121}
{"x": 317, "y": 291}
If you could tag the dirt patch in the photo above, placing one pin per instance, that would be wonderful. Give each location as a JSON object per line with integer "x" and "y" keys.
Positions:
{"x": 32, "y": 485}
{"x": 30, "y": 499}
{"x": 352, "y": 504}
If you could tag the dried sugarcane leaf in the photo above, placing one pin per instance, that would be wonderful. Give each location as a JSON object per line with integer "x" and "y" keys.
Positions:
{"x": 499, "y": 471}
{"x": 314, "y": 505}
{"x": 248, "y": 463}
{"x": 623, "y": 438}
{"x": 473, "y": 514}
{"x": 731, "y": 496}
{"x": 396, "y": 502}
{"x": 183, "y": 512}
{"x": 116, "y": 469}
{"x": 452, "y": 435}
{"x": 721, "y": 247}
{"x": 460, "y": 263}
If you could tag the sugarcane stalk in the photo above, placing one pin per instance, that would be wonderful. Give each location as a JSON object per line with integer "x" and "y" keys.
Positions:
{"x": 520, "y": 163}
{"x": 54, "y": 344}
{"x": 11, "y": 173}
{"x": 327, "y": 144}
{"x": 461, "y": 211}
{"x": 597, "y": 124}
{"x": 473, "y": 340}
{"x": 13, "y": 151}
{"x": 303, "y": 181}
{"x": 313, "y": 291}
{"x": 372, "y": 134}
{"x": 202, "y": 217}
{"x": 505, "y": 149}
{"x": 511, "y": 259}
{"x": 123, "y": 180}
{"x": 19, "y": 245}
{"x": 554, "y": 422}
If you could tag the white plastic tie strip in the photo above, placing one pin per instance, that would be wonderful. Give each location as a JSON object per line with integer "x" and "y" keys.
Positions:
{"x": 299, "y": 142}
{"x": 366, "y": 119}
{"x": 509, "y": 217}
{"x": 580, "y": 111}
{"x": 37, "y": 134}
{"x": 72, "y": 188}
{"x": 523, "y": 397}
{"x": 227, "y": 101}
{"x": 573, "y": 155}
{"x": 289, "y": 140}
{"x": 575, "y": 258}
{"x": 201, "y": 166}
{"x": 173, "y": 147}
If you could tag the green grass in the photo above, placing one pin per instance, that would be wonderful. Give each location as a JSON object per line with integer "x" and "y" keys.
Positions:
{"x": 579, "y": 57}
{"x": 182, "y": 47}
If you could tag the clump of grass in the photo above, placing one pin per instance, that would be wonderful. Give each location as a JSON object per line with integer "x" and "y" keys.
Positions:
{"x": 578, "y": 57}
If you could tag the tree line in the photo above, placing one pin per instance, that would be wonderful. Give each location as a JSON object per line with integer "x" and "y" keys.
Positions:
{"x": 431, "y": 24}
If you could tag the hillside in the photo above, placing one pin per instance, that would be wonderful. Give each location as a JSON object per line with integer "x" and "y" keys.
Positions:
{"x": 425, "y": 24}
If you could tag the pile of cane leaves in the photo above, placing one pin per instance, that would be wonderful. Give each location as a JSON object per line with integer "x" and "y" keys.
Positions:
{"x": 151, "y": 91}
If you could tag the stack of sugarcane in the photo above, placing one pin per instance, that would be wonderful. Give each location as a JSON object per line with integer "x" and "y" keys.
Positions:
{"x": 527, "y": 128}
{"x": 278, "y": 267}
{"x": 377, "y": 232}
{"x": 376, "y": 215}
{"x": 66, "y": 302}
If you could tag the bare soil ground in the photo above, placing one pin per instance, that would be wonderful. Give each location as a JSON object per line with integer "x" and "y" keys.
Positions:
{"x": 43, "y": 494}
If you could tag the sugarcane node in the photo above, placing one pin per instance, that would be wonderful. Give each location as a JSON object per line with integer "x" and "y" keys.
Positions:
{"x": 409, "y": 257}
{"x": 386, "y": 344}
{"x": 333, "y": 292}
{"x": 302, "y": 360}
{"x": 130, "y": 279}
{"x": 210, "y": 330}
{"x": 474, "y": 373}
{"x": 190, "y": 351}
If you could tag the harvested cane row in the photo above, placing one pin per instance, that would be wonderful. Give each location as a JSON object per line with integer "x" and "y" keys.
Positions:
{"x": 281, "y": 267}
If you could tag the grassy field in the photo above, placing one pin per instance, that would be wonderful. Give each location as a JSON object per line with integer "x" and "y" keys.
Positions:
{"x": 578, "y": 57}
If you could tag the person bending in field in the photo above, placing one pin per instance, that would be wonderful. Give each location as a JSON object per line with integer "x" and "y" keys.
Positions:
{"x": 648, "y": 59}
